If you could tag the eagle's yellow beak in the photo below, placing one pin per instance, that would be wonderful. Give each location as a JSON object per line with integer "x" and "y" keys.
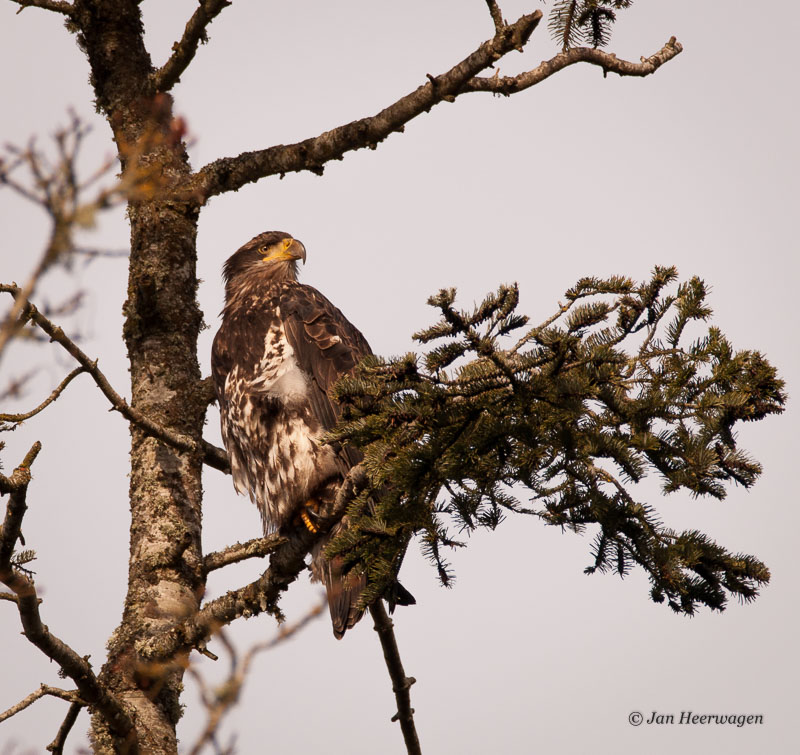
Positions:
{"x": 287, "y": 249}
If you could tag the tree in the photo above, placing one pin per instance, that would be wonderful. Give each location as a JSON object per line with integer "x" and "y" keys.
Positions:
{"x": 148, "y": 295}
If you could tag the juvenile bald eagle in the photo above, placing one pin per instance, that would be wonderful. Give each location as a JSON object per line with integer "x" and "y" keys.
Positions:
{"x": 280, "y": 348}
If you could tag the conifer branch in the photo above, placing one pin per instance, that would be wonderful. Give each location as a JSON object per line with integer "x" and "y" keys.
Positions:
{"x": 401, "y": 683}
{"x": 184, "y": 50}
{"x": 213, "y": 456}
{"x": 555, "y": 413}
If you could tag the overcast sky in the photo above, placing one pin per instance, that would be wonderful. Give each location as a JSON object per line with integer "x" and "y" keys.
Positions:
{"x": 696, "y": 166}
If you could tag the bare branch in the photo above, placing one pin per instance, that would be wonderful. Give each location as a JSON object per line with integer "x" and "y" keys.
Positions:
{"x": 497, "y": 15}
{"x": 212, "y": 455}
{"x": 609, "y": 62}
{"x": 17, "y": 418}
{"x": 58, "y": 192}
{"x": 227, "y": 694}
{"x": 230, "y": 174}
{"x": 184, "y": 50}
{"x": 57, "y": 745}
{"x": 256, "y": 548}
{"x": 263, "y": 594}
{"x": 54, "y": 5}
{"x": 16, "y": 486}
{"x": 400, "y": 682}
{"x": 74, "y": 666}
{"x": 71, "y": 696}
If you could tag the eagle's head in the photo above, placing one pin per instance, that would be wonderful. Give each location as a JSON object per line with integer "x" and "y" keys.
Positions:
{"x": 268, "y": 258}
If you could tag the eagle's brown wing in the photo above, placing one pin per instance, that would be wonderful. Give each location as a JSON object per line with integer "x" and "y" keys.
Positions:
{"x": 326, "y": 346}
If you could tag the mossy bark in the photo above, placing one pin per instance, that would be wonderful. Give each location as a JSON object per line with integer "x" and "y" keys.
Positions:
{"x": 162, "y": 322}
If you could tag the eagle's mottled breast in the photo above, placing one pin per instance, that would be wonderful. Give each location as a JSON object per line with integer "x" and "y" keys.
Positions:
{"x": 268, "y": 423}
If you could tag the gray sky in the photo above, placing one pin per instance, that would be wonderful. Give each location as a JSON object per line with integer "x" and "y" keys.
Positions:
{"x": 696, "y": 166}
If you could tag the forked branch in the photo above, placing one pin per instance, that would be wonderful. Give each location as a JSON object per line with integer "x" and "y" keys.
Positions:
{"x": 230, "y": 174}
{"x": 610, "y": 63}
{"x": 184, "y": 50}
{"x": 77, "y": 668}
{"x": 70, "y": 695}
{"x": 212, "y": 455}
{"x": 262, "y": 595}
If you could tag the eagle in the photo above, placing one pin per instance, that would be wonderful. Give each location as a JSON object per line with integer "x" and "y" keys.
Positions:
{"x": 279, "y": 350}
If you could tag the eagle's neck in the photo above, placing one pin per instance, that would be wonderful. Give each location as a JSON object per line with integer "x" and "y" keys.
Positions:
{"x": 259, "y": 280}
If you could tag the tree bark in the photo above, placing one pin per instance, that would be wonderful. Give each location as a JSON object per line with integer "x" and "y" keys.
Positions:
{"x": 162, "y": 322}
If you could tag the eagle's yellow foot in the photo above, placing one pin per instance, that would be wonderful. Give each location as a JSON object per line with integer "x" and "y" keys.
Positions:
{"x": 309, "y": 509}
{"x": 310, "y": 526}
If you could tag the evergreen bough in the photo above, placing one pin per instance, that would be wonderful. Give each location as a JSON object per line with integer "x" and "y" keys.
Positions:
{"x": 566, "y": 418}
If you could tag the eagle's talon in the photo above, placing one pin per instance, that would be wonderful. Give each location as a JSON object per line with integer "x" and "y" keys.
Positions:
{"x": 306, "y": 519}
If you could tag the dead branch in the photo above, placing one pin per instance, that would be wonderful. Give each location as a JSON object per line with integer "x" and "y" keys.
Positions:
{"x": 54, "y": 5}
{"x": 225, "y": 696}
{"x": 184, "y": 50}
{"x": 262, "y": 595}
{"x": 400, "y": 682}
{"x": 57, "y": 745}
{"x": 497, "y": 15}
{"x": 77, "y": 668}
{"x": 256, "y": 548}
{"x": 69, "y": 695}
{"x": 57, "y": 190}
{"x": 230, "y": 174}
{"x": 17, "y": 418}
{"x": 213, "y": 456}
{"x": 508, "y": 85}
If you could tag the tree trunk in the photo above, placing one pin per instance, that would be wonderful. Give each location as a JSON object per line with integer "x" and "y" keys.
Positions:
{"x": 162, "y": 322}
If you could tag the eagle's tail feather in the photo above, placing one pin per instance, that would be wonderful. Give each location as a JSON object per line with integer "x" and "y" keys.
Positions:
{"x": 343, "y": 595}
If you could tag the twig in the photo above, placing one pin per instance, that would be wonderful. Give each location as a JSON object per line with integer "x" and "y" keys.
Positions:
{"x": 497, "y": 15}
{"x": 57, "y": 745}
{"x": 261, "y": 595}
{"x": 69, "y": 695}
{"x": 508, "y": 85}
{"x": 400, "y": 682}
{"x": 230, "y": 174}
{"x": 16, "y": 418}
{"x": 16, "y": 486}
{"x": 54, "y": 5}
{"x": 73, "y": 665}
{"x": 212, "y": 455}
{"x": 184, "y": 50}
{"x": 256, "y": 548}
{"x": 227, "y": 694}
{"x": 58, "y": 192}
